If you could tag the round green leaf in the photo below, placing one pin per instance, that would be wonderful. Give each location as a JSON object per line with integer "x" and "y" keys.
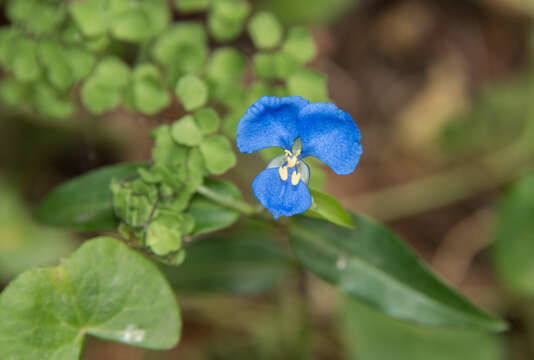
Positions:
{"x": 37, "y": 16}
{"x": 13, "y": 92}
{"x": 104, "y": 289}
{"x": 24, "y": 63}
{"x": 309, "y": 85}
{"x": 58, "y": 70}
{"x": 92, "y": 16}
{"x": 182, "y": 49}
{"x": 265, "y": 30}
{"x": 185, "y": 131}
{"x": 300, "y": 44}
{"x": 48, "y": 101}
{"x": 226, "y": 19}
{"x": 99, "y": 98}
{"x": 372, "y": 264}
{"x": 192, "y": 92}
{"x": 141, "y": 21}
{"x": 188, "y": 6}
{"x": 218, "y": 154}
{"x": 274, "y": 65}
{"x": 149, "y": 91}
{"x": 226, "y": 65}
{"x": 207, "y": 120}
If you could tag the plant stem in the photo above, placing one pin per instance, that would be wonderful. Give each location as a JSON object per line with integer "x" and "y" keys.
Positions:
{"x": 227, "y": 201}
{"x": 446, "y": 187}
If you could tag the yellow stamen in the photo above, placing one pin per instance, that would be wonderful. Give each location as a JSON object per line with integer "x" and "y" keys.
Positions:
{"x": 295, "y": 178}
{"x": 292, "y": 161}
{"x": 283, "y": 172}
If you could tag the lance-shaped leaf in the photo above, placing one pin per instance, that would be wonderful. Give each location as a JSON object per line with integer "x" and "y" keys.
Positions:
{"x": 104, "y": 289}
{"x": 243, "y": 263}
{"x": 85, "y": 203}
{"x": 366, "y": 331}
{"x": 372, "y": 264}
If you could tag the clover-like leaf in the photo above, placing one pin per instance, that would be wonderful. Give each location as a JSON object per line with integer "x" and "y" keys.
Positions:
{"x": 218, "y": 154}
{"x": 208, "y": 120}
{"x": 192, "y": 92}
{"x": 265, "y": 30}
{"x": 92, "y": 16}
{"x": 300, "y": 44}
{"x": 150, "y": 95}
{"x": 226, "y": 65}
{"x": 104, "y": 289}
{"x": 308, "y": 84}
{"x": 188, "y": 6}
{"x": 185, "y": 131}
{"x": 226, "y": 18}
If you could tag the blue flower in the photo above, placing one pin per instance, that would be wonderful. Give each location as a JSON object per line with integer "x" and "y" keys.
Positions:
{"x": 301, "y": 129}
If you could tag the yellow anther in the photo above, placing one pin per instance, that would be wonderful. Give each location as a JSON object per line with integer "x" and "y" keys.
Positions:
{"x": 283, "y": 173}
{"x": 287, "y": 153}
{"x": 295, "y": 178}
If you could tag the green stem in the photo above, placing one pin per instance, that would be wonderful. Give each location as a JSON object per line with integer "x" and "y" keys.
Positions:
{"x": 227, "y": 201}
{"x": 447, "y": 187}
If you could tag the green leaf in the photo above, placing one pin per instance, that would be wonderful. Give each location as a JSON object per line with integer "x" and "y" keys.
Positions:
{"x": 210, "y": 216}
{"x": 92, "y": 16}
{"x": 104, "y": 289}
{"x": 103, "y": 90}
{"x": 164, "y": 234}
{"x": 226, "y": 65}
{"x": 372, "y": 264}
{"x": 80, "y": 61}
{"x": 37, "y": 16}
{"x": 99, "y": 98}
{"x": 514, "y": 238}
{"x": 166, "y": 151}
{"x": 25, "y": 64}
{"x": 58, "y": 70}
{"x": 226, "y": 19}
{"x": 265, "y": 30}
{"x": 49, "y": 102}
{"x": 13, "y": 92}
{"x": 141, "y": 20}
{"x": 274, "y": 65}
{"x": 149, "y": 91}
{"x": 181, "y": 50}
{"x": 207, "y": 120}
{"x": 300, "y": 44}
{"x": 218, "y": 154}
{"x": 188, "y": 6}
{"x": 309, "y": 85}
{"x": 23, "y": 243}
{"x": 185, "y": 131}
{"x": 192, "y": 92}
{"x": 243, "y": 263}
{"x": 326, "y": 207}
{"x": 85, "y": 203}
{"x": 411, "y": 342}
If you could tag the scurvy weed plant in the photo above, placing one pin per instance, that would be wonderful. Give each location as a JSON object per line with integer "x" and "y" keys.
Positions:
{"x": 144, "y": 57}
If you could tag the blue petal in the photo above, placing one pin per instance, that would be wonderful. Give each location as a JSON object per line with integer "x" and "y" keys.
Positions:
{"x": 270, "y": 121}
{"x": 280, "y": 197}
{"x": 329, "y": 134}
